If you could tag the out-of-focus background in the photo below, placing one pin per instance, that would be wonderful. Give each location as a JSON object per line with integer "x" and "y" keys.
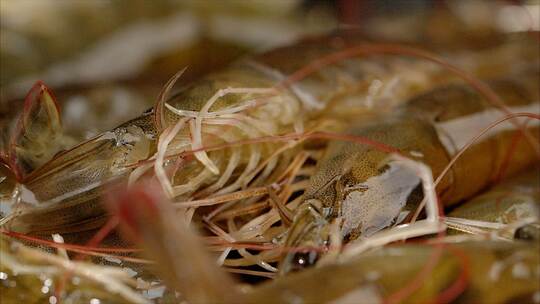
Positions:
{"x": 114, "y": 56}
{"x": 106, "y": 60}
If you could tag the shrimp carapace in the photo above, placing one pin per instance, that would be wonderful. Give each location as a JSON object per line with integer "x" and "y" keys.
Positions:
{"x": 356, "y": 184}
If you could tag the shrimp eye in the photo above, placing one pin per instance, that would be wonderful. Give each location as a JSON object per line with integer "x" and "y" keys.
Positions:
{"x": 530, "y": 232}
{"x": 303, "y": 260}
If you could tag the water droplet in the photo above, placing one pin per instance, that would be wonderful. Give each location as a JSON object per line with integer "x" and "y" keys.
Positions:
{"x": 76, "y": 280}
{"x": 113, "y": 260}
{"x": 155, "y": 293}
{"x": 45, "y": 289}
{"x": 416, "y": 154}
{"x": 3, "y": 275}
{"x": 520, "y": 271}
{"x": 130, "y": 271}
{"x": 95, "y": 301}
{"x": 53, "y": 300}
{"x": 373, "y": 276}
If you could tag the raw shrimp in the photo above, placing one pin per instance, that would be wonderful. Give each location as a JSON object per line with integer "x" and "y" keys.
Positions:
{"x": 69, "y": 185}
{"x": 354, "y": 184}
{"x": 494, "y": 272}
{"x": 243, "y": 101}
{"x": 30, "y": 275}
{"x": 476, "y": 271}
{"x": 511, "y": 209}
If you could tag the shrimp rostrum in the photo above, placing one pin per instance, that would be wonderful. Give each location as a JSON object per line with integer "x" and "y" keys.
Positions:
{"x": 58, "y": 190}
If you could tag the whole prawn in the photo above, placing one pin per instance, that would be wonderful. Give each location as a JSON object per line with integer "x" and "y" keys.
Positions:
{"x": 240, "y": 102}
{"x": 355, "y": 184}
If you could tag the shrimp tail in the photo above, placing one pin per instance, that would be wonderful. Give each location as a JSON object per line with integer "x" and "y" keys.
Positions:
{"x": 37, "y": 135}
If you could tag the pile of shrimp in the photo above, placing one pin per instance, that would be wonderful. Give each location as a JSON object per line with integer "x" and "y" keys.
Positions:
{"x": 237, "y": 168}
{"x": 253, "y": 221}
